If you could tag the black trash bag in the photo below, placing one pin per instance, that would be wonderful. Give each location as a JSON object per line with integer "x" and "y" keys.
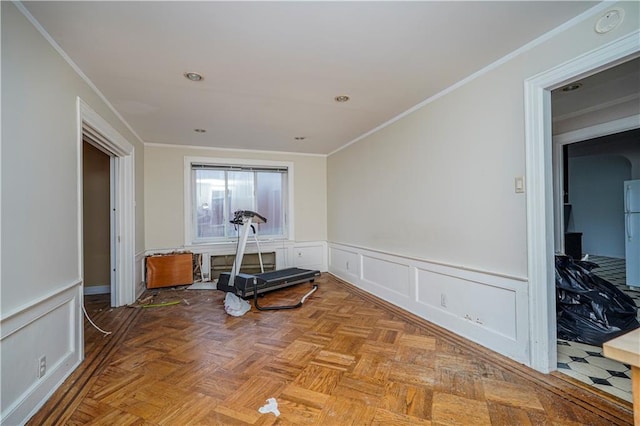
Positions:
{"x": 590, "y": 309}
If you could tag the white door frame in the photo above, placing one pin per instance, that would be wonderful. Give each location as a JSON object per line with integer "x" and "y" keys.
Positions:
{"x": 113, "y": 230}
{"x": 540, "y": 195}
{"x": 559, "y": 141}
{"x": 107, "y": 139}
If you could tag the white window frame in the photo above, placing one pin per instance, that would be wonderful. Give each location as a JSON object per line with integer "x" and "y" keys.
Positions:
{"x": 189, "y": 228}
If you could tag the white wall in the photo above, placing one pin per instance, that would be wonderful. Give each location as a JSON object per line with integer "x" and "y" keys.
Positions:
{"x": 41, "y": 243}
{"x": 597, "y": 198}
{"x": 164, "y": 192}
{"x": 438, "y": 185}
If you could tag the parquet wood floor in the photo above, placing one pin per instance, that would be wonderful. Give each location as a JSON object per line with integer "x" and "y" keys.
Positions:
{"x": 344, "y": 358}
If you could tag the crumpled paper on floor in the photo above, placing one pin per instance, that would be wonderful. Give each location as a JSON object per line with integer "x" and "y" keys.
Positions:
{"x": 270, "y": 407}
{"x": 235, "y": 306}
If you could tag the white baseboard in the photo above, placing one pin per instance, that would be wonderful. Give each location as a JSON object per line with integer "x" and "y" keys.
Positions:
{"x": 97, "y": 289}
{"x": 489, "y": 309}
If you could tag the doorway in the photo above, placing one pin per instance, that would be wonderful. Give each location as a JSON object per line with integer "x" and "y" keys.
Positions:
{"x": 98, "y": 241}
{"x": 541, "y": 235}
{"x": 593, "y": 172}
{"x": 593, "y": 198}
{"x": 594, "y": 154}
{"x": 103, "y": 136}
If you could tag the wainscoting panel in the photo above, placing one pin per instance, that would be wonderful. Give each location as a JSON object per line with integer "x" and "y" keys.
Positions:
{"x": 344, "y": 262}
{"x": 311, "y": 255}
{"x": 387, "y": 276}
{"x": 466, "y": 299}
{"x": 51, "y": 328}
{"x": 489, "y": 309}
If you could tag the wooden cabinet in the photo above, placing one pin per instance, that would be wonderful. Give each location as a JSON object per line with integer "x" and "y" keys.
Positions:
{"x": 169, "y": 270}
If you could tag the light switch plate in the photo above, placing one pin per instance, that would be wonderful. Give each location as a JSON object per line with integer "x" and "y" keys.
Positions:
{"x": 519, "y": 184}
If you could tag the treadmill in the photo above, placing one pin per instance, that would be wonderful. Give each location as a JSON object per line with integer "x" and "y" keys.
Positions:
{"x": 246, "y": 285}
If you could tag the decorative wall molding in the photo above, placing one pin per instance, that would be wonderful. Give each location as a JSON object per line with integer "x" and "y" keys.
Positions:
{"x": 489, "y": 309}
{"x": 139, "y": 273}
{"x": 309, "y": 255}
{"x": 220, "y": 149}
{"x": 32, "y": 332}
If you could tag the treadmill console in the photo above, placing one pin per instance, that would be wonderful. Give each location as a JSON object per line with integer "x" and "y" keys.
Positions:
{"x": 240, "y": 215}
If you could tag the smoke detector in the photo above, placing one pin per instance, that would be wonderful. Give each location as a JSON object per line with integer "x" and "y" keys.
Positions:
{"x": 609, "y": 21}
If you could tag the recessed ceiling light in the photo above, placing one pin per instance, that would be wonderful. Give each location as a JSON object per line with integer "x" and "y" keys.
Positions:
{"x": 193, "y": 76}
{"x": 571, "y": 87}
{"x": 200, "y": 130}
{"x": 341, "y": 98}
{"x": 299, "y": 138}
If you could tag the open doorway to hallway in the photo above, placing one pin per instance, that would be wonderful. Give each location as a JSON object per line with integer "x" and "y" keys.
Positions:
{"x": 96, "y": 212}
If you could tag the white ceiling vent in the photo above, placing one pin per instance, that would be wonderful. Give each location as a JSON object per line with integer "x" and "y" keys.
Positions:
{"x": 609, "y": 21}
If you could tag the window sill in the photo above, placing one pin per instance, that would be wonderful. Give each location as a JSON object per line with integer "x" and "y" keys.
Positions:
{"x": 200, "y": 244}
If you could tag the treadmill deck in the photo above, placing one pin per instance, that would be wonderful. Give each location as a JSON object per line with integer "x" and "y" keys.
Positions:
{"x": 266, "y": 281}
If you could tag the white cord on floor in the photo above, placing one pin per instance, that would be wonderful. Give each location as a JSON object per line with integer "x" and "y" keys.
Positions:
{"x": 315, "y": 287}
{"x": 106, "y": 333}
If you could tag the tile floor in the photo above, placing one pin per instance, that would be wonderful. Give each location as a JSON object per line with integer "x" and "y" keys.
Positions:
{"x": 586, "y": 363}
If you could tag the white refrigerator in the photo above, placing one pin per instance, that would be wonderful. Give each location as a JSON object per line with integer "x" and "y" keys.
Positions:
{"x": 632, "y": 231}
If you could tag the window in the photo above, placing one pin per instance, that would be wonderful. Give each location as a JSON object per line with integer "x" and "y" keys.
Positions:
{"x": 217, "y": 189}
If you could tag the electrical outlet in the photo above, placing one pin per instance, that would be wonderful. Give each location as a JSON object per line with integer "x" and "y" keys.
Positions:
{"x": 443, "y": 300}
{"x": 42, "y": 366}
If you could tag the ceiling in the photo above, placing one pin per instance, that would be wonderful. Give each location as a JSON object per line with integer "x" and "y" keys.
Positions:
{"x": 272, "y": 69}
{"x": 613, "y": 85}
